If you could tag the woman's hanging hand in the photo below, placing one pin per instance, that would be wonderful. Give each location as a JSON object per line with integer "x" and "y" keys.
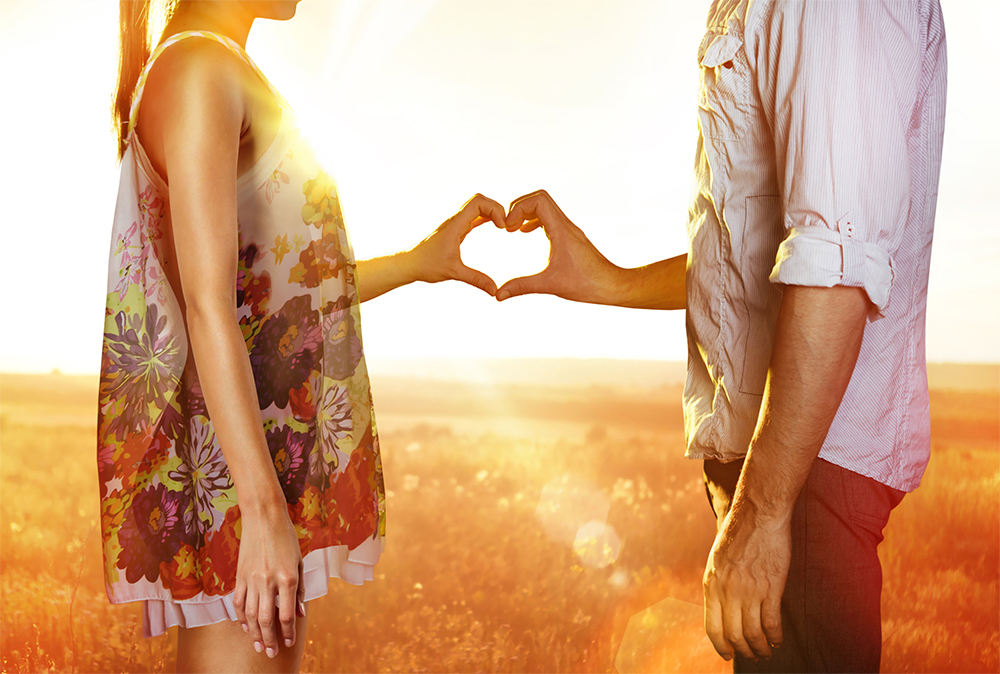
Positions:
{"x": 270, "y": 591}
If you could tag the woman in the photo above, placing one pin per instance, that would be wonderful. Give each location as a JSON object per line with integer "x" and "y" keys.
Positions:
{"x": 238, "y": 456}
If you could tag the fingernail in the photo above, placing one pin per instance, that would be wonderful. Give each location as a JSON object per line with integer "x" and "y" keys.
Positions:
{"x": 302, "y": 607}
{"x": 271, "y": 652}
{"x": 502, "y": 295}
{"x": 257, "y": 646}
{"x": 288, "y": 643}
{"x": 245, "y": 627}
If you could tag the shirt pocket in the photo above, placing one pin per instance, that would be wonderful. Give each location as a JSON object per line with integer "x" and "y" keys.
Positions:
{"x": 763, "y": 232}
{"x": 724, "y": 94}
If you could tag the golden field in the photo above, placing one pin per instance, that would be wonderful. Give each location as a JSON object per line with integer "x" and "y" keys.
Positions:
{"x": 478, "y": 574}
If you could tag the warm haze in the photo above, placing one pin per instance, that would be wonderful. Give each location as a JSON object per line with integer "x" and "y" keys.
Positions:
{"x": 417, "y": 105}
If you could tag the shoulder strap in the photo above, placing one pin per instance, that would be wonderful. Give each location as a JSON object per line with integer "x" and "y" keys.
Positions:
{"x": 177, "y": 37}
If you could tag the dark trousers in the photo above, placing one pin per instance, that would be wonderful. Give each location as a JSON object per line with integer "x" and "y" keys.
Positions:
{"x": 830, "y": 610}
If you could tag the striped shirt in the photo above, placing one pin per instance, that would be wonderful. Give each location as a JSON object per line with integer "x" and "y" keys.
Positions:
{"x": 821, "y": 127}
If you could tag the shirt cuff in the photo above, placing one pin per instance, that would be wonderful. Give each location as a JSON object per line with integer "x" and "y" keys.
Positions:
{"x": 821, "y": 257}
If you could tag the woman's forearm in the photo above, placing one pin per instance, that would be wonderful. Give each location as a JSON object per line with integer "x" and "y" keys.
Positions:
{"x": 231, "y": 397}
{"x": 379, "y": 275}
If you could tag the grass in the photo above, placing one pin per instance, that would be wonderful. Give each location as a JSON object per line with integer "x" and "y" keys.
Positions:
{"x": 471, "y": 580}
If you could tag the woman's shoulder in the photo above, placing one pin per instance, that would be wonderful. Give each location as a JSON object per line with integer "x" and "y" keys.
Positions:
{"x": 194, "y": 66}
{"x": 193, "y": 85}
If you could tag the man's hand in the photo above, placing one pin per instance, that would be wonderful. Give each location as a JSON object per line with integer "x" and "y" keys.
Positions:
{"x": 576, "y": 269}
{"x": 744, "y": 580}
{"x": 817, "y": 339}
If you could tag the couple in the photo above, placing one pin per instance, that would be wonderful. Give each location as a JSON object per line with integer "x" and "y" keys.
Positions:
{"x": 238, "y": 458}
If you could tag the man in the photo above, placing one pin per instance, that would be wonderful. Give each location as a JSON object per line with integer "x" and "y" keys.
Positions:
{"x": 821, "y": 128}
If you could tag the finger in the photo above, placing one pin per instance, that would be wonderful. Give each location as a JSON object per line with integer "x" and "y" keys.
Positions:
{"x": 266, "y": 620}
{"x": 753, "y": 633}
{"x": 524, "y": 285}
{"x": 713, "y": 628}
{"x": 476, "y": 278}
{"x": 531, "y": 225}
{"x": 239, "y": 602}
{"x": 770, "y": 618}
{"x": 252, "y": 608}
{"x": 732, "y": 631}
{"x": 480, "y": 209}
{"x": 287, "y": 598}
{"x": 300, "y": 594}
{"x": 531, "y": 206}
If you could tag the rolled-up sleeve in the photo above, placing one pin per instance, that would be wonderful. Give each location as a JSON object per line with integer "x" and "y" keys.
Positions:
{"x": 827, "y": 91}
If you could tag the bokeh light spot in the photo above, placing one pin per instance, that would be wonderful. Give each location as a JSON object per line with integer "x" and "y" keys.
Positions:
{"x": 566, "y": 504}
{"x": 668, "y": 637}
{"x": 597, "y": 544}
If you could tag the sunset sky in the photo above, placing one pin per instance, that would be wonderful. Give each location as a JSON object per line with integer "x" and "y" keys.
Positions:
{"x": 415, "y": 105}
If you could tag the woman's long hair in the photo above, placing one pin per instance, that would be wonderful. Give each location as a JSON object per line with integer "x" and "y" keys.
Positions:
{"x": 134, "y": 48}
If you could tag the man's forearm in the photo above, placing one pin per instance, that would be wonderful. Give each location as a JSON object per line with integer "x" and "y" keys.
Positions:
{"x": 816, "y": 345}
{"x": 660, "y": 285}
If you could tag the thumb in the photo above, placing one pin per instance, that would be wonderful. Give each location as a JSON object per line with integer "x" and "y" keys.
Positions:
{"x": 476, "y": 278}
{"x": 525, "y": 285}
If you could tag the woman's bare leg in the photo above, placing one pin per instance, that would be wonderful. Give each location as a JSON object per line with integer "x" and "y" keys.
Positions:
{"x": 225, "y": 647}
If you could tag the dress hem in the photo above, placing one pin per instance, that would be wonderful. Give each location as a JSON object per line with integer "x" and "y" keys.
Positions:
{"x": 355, "y": 567}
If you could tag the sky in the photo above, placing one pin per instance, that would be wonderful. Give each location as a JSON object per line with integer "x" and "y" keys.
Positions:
{"x": 416, "y": 105}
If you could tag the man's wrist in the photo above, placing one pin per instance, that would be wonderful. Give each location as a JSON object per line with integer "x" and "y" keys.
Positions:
{"x": 659, "y": 285}
{"x": 613, "y": 287}
{"x": 770, "y": 490}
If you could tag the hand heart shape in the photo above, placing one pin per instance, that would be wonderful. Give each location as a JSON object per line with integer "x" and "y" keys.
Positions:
{"x": 576, "y": 270}
{"x": 504, "y": 255}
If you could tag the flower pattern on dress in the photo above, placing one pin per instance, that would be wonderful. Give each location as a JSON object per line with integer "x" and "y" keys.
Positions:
{"x": 323, "y": 258}
{"x": 336, "y": 422}
{"x": 290, "y": 455}
{"x": 141, "y": 359}
{"x": 151, "y": 532}
{"x": 170, "y": 521}
{"x": 273, "y": 184}
{"x": 335, "y": 417}
{"x": 204, "y": 474}
{"x": 285, "y": 351}
{"x": 281, "y": 248}
{"x": 344, "y": 352}
{"x": 129, "y": 261}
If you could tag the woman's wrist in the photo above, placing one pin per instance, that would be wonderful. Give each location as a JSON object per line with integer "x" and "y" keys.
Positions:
{"x": 263, "y": 500}
{"x": 409, "y": 266}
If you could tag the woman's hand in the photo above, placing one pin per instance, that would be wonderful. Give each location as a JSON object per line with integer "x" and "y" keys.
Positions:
{"x": 270, "y": 564}
{"x": 438, "y": 257}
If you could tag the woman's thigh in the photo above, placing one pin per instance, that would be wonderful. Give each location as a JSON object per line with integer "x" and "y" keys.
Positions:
{"x": 225, "y": 647}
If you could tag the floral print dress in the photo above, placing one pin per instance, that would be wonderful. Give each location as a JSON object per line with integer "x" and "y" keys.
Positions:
{"x": 169, "y": 515}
